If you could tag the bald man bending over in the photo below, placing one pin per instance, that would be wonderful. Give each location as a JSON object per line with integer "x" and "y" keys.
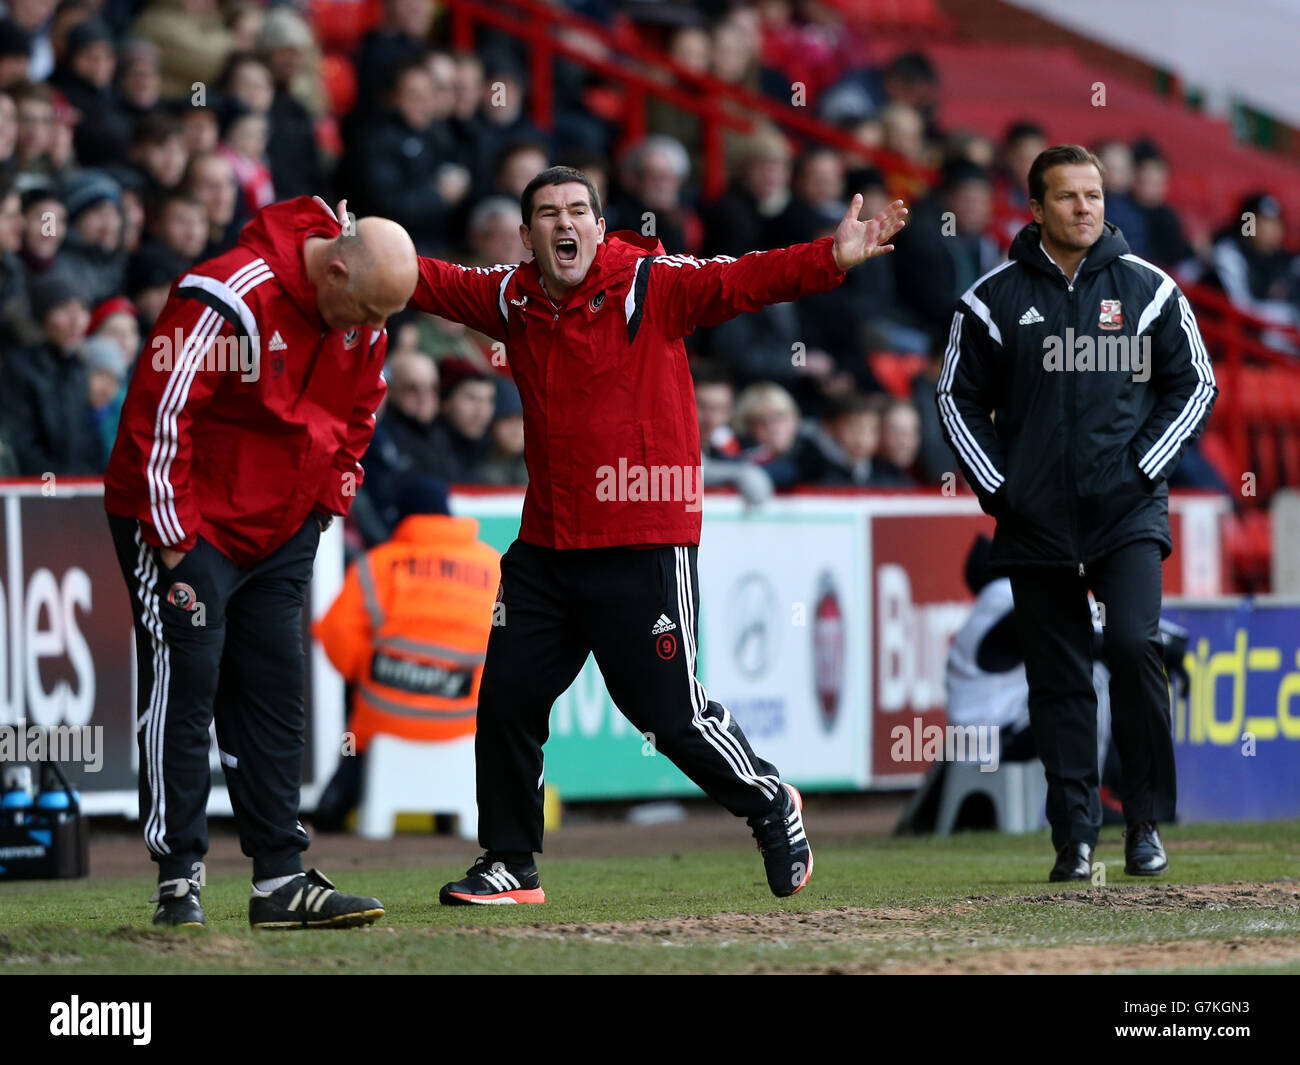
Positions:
{"x": 240, "y": 439}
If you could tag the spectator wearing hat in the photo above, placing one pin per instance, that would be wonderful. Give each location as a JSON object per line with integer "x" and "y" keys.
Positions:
{"x": 505, "y": 462}
{"x": 116, "y": 320}
{"x": 93, "y": 251}
{"x": 44, "y": 407}
{"x": 105, "y": 377}
{"x": 15, "y": 54}
{"x": 85, "y": 77}
{"x": 1251, "y": 265}
{"x": 287, "y": 45}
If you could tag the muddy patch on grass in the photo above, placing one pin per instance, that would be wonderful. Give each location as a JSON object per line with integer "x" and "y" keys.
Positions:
{"x": 924, "y": 928}
{"x": 1198, "y": 954}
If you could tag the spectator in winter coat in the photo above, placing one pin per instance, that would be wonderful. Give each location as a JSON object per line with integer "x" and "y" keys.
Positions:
{"x": 44, "y": 406}
{"x": 93, "y": 251}
{"x": 85, "y": 76}
{"x": 407, "y": 166}
{"x": 468, "y": 401}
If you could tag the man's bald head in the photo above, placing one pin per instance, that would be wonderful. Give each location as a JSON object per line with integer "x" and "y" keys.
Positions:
{"x": 366, "y": 276}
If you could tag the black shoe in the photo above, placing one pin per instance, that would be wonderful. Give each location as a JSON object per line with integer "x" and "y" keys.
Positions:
{"x": 1073, "y": 862}
{"x": 493, "y": 883}
{"x": 784, "y": 845}
{"x": 178, "y": 904}
{"x": 1144, "y": 854}
{"x": 311, "y": 901}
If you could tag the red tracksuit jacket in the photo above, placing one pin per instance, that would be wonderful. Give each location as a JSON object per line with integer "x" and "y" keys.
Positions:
{"x": 603, "y": 377}
{"x": 246, "y": 413}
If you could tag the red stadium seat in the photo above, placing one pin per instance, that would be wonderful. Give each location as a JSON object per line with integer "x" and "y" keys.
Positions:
{"x": 340, "y": 78}
{"x": 340, "y": 24}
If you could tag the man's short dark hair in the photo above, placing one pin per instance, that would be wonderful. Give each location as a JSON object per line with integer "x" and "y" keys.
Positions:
{"x": 849, "y": 405}
{"x": 1059, "y": 155}
{"x": 1019, "y": 130}
{"x": 557, "y": 175}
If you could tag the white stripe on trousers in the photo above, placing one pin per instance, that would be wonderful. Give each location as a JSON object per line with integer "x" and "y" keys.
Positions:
{"x": 713, "y": 731}
{"x": 162, "y": 497}
{"x": 146, "y": 574}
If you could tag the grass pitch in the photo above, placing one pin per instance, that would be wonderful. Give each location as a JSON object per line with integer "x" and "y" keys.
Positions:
{"x": 970, "y": 903}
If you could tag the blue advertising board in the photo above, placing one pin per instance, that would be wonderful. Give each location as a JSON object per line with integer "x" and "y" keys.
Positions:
{"x": 1237, "y": 737}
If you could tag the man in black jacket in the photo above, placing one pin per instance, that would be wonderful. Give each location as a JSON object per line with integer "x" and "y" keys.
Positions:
{"x": 1074, "y": 378}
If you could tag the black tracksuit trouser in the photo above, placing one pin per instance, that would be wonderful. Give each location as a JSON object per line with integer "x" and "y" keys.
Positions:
{"x": 1055, "y": 629}
{"x": 637, "y": 612}
{"x": 214, "y": 641}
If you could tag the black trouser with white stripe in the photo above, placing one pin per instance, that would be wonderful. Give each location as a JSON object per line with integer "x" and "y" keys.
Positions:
{"x": 214, "y": 641}
{"x": 1055, "y": 629}
{"x": 559, "y": 606}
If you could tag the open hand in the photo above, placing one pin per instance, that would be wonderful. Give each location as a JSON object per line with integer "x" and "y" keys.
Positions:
{"x": 856, "y": 242}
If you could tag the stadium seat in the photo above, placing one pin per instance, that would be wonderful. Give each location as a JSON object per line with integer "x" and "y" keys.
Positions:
{"x": 895, "y": 371}
{"x": 407, "y": 777}
{"x": 1017, "y": 790}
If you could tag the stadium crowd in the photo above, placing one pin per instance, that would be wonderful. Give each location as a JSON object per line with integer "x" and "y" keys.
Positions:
{"x": 137, "y": 138}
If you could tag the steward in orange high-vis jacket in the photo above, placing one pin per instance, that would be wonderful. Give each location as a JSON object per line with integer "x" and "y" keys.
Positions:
{"x": 410, "y": 629}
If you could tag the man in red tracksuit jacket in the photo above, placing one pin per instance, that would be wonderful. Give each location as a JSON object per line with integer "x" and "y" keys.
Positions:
{"x": 240, "y": 437}
{"x": 605, "y": 562}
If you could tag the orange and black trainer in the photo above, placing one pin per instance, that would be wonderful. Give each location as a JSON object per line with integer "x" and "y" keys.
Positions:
{"x": 494, "y": 883}
{"x": 787, "y": 857}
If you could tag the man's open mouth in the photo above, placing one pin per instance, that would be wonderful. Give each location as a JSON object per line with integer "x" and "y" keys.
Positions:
{"x": 566, "y": 250}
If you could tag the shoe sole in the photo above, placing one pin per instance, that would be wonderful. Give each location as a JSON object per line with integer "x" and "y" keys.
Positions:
{"x": 1146, "y": 872}
{"x": 798, "y": 805}
{"x": 1067, "y": 879}
{"x": 343, "y": 920}
{"x": 522, "y": 897}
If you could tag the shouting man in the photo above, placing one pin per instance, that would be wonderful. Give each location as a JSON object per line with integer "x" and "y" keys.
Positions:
{"x": 605, "y": 562}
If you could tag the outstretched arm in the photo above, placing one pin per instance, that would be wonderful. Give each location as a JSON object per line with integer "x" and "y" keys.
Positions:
{"x": 684, "y": 293}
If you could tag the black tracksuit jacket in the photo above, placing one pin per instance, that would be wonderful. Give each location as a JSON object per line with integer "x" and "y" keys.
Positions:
{"x": 1070, "y": 459}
